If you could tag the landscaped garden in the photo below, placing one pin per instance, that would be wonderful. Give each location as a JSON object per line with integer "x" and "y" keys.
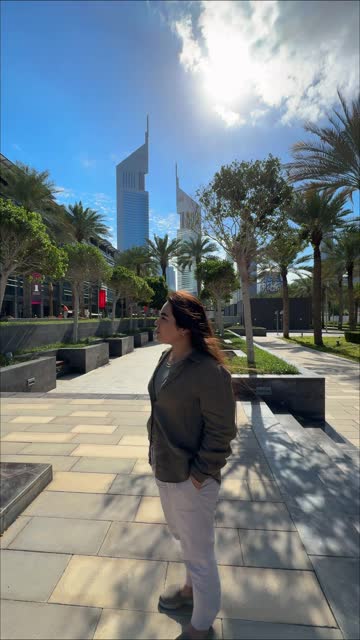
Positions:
{"x": 336, "y": 345}
{"x": 265, "y": 362}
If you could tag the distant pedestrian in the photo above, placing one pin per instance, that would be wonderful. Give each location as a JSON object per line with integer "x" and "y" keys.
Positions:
{"x": 190, "y": 428}
{"x": 65, "y": 310}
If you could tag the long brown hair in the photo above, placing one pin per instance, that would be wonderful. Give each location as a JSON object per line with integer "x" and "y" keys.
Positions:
{"x": 189, "y": 313}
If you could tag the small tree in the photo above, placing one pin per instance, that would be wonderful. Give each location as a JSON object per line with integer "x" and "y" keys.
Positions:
{"x": 25, "y": 246}
{"x": 281, "y": 255}
{"x": 240, "y": 205}
{"x": 125, "y": 284}
{"x": 85, "y": 262}
{"x": 219, "y": 281}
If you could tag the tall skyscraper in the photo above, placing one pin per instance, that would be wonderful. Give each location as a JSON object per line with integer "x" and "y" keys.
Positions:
{"x": 190, "y": 227}
{"x": 132, "y": 198}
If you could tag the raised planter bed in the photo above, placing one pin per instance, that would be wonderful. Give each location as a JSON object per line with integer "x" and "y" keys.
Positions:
{"x": 120, "y": 346}
{"x": 33, "y": 375}
{"x": 140, "y": 339}
{"x": 20, "y": 484}
{"x": 257, "y": 331}
{"x": 85, "y": 359}
{"x": 151, "y": 334}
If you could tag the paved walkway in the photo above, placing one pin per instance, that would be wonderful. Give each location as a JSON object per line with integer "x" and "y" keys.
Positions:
{"x": 342, "y": 382}
{"x": 90, "y": 555}
{"x": 127, "y": 375}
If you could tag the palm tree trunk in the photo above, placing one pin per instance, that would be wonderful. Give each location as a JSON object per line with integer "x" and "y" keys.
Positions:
{"x": 245, "y": 287}
{"x": 350, "y": 279}
{"x": 317, "y": 297}
{"x": 76, "y": 295}
{"x": 285, "y": 289}
{"x": 163, "y": 269}
{"x": 341, "y": 302}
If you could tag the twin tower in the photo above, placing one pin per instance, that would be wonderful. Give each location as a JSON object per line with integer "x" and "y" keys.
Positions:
{"x": 133, "y": 208}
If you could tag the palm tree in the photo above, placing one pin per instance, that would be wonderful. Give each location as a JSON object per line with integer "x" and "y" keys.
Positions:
{"x": 86, "y": 223}
{"x": 281, "y": 255}
{"x": 162, "y": 250}
{"x": 344, "y": 255}
{"x": 332, "y": 161}
{"x": 194, "y": 251}
{"x": 318, "y": 214}
{"x": 34, "y": 191}
{"x": 137, "y": 259}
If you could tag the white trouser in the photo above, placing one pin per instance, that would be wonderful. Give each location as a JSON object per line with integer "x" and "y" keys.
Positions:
{"x": 190, "y": 515}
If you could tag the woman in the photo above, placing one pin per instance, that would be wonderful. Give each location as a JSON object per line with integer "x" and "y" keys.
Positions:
{"x": 190, "y": 428}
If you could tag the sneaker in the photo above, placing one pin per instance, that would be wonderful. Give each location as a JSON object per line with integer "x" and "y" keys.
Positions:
{"x": 192, "y": 634}
{"x": 173, "y": 598}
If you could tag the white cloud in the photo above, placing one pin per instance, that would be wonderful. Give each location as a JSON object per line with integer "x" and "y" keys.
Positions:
{"x": 160, "y": 224}
{"x": 86, "y": 162}
{"x": 256, "y": 56}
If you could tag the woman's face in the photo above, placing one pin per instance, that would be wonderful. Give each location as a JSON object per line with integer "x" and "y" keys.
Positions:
{"x": 167, "y": 331}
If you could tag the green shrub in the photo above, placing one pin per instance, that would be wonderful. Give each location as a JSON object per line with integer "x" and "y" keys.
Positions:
{"x": 352, "y": 336}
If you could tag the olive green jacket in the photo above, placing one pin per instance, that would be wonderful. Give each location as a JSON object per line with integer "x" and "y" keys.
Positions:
{"x": 192, "y": 420}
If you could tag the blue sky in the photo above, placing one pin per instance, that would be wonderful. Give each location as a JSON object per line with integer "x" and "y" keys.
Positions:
{"x": 220, "y": 81}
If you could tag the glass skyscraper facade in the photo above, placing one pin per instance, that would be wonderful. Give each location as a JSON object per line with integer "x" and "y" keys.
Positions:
{"x": 132, "y": 199}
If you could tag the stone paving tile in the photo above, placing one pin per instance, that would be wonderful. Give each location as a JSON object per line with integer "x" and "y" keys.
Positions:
{"x": 89, "y": 414}
{"x": 232, "y": 489}
{"x": 250, "y": 630}
{"x": 29, "y": 436}
{"x": 111, "y": 583}
{"x": 96, "y": 438}
{"x": 42, "y": 621}
{"x": 8, "y": 409}
{"x": 326, "y": 533}
{"x": 93, "y": 428}
{"x": 134, "y": 485}
{"x": 250, "y": 473}
{"x": 273, "y": 549}
{"x": 111, "y": 451}
{"x": 31, "y": 419}
{"x": 272, "y": 516}
{"x": 135, "y": 440}
{"x": 105, "y": 465}
{"x": 88, "y": 506}
{"x": 87, "y": 401}
{"x": 139, "y": 540}
{"x": 268, "y": 595}
{"x": 47, "y": 449}
{"x": 150, "y": 510}
{"x": 73, "y": 420}
{"x": 122, "y": 625}
{"x": 62, "y": 535}
{"x": 264, "y": 491}
{"x": 30, "y": 576}
{"x": 11, "y": 532}
{"x": 142, "y": 466}
{"x": 81, "y": 482}
{"x": 11, "y": 447}
{"x": 49, "y": 428}
{"x": 58, "y": 463}
{"x": 339, "y": 579}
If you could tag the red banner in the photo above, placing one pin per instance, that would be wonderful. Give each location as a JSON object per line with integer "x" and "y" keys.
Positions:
{"x": 102, "y": 299}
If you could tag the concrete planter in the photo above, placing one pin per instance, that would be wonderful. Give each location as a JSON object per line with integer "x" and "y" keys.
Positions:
{"x": 120, "y": 346}
{"x": 140, "y": 339}
{"x": 151, "y": 334}
{"x": 85, "y": 359}
{"x": 33, "y": 376}
{"x": 257, "y": 332}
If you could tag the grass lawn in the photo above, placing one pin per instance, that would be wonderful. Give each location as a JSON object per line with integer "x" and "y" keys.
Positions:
{"x": 348, "y": 350}
{"x": 265, "y": 362}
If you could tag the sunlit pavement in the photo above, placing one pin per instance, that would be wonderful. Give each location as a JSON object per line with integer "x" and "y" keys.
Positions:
{"x": 342, "y": 382}
{"x": 91, "y": 554}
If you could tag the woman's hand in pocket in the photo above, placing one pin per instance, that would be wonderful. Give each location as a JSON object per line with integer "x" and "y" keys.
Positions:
{"x": 196, "y": 483}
